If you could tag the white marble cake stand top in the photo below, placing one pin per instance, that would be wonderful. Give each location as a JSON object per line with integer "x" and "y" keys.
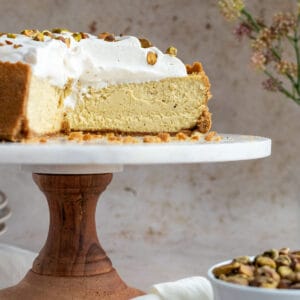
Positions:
{"x": 62, "y": 156}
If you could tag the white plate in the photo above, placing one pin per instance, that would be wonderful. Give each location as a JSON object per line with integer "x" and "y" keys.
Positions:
{"x": 5, "y": 214}
{"x": 3, "y": 200}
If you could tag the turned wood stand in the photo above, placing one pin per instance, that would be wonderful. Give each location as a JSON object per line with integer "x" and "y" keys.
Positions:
{"x": 72, "y": 264}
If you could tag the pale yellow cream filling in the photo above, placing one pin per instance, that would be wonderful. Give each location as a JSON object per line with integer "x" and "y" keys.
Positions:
{"x": 168, "y": 105}
{"x": 45, "y": 107}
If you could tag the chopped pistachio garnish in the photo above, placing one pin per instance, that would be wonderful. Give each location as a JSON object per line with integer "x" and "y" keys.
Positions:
{"x": 77, "y": 36}
{"x": 84, "y": 35}
{"x": 195, "y": 68}
{"x": 11, "y": 35}
{"x": 67, "y": 41}
{"x": 171, "y": 51}
{"x": 39, "y": 37}
{"x": 151, "y": 58}
{"x": 108, "y": 37}
{"x": 59, "y": 30}
{"x": 29, "y": 32}
{"x": 145, "y": 43}
{"x": 47, "y": 33}
{"x": 60, "y": 38}
{"x": 103, "y": 35}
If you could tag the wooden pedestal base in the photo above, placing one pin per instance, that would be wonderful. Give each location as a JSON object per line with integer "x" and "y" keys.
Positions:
{"x": 42, "y": 287}
{"x": 72, "y": 265}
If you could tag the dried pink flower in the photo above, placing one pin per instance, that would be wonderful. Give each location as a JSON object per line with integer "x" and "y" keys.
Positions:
{"x": 271, "y": 85}
{"x": 259, "y": 45}
{"x": 270, "y": 44}
{"x": 264, "y": 39}
{"x": 267, "y": 35}
{"x": 284, "y": 23}
{"x": 259, "y": 60}
{"x": 242, "y": 30}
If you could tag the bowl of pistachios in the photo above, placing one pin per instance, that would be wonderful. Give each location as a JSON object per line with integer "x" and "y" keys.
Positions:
{"x": 272, "y": 275}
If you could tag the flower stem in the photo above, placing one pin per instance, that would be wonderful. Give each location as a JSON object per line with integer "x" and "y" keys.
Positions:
{"x": 251, "y": 20}
{"x": 282, "y": 89}
{"x": 297, "y": 50}
{"x": 296, "y": 45}
{"x": 294, "y": 83}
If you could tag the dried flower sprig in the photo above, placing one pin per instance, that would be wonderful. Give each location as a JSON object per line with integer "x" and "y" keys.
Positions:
{"x": 270, "y": 45}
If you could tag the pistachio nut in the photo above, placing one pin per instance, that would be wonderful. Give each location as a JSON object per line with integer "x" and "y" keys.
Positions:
{"x": 284, "y": 251}
{"x": 145, "y": 43}
{"x": 284, "y": 284}
{"x": 245, "y": 260}
{"x": 226, "y": 269}
{"x": 236, "y": 279}
{"x": 272, "y": 253}
{"x": 295, "y": 286}
{"x": 171, "y": 51}
{"x": 265, "y": 261}
{"x": 284, "y": 271}
{"x": 246, "y": 270}
{"x": 283, "y": 260}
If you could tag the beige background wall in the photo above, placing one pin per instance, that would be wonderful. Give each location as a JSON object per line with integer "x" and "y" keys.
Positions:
{"x": 165, "y": 222}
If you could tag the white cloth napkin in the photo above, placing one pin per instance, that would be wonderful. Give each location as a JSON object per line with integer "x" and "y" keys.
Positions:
{"x": 15, "y": 263}
{"x": 193, "y": 288}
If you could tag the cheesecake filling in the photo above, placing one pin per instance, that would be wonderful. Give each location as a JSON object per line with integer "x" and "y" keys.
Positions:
{"x": 168, "y": 105}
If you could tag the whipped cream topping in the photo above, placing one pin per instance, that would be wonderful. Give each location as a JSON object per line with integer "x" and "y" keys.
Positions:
{"x": 91, "y": 62}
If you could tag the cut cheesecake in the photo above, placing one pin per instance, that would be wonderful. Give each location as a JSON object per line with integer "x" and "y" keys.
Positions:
{"x": 55, "y": 82}
{"x": 168, "y": 105}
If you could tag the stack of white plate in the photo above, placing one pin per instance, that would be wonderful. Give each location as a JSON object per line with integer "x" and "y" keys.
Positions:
{"x": 5, "y": 212}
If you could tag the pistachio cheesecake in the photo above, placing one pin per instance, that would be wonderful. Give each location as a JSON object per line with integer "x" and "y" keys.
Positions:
{"x": 60, "y": 81}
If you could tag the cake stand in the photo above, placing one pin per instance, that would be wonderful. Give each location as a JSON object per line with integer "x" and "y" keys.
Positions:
{"x": 72, "y": 264}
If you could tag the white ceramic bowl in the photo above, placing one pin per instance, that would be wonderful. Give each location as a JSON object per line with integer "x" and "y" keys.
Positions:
{"x": 230, "y": 291}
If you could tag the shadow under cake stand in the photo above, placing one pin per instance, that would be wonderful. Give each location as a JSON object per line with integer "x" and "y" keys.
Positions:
{"x": 72, "y": 264}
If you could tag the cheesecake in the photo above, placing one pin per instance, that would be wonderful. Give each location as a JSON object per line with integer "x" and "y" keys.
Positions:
{"x": 56, "y": 82}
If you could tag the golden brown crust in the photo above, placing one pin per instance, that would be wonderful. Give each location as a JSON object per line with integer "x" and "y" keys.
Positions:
{"x": 163, "y": 137}
{"x": 204, "y": 122}
{"x": 14, "y": 88}
{"x": 197, "y": 70}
